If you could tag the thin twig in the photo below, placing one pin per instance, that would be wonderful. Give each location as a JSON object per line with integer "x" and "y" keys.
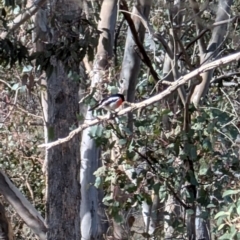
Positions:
{"x": 6, "y": 83}
{"x": 236, "y": 114}
{"x": 136, "y": 15}
{"x": 226, "y": 136}
{"x": 222, "y": 77}
{"x": 161, "y": 178}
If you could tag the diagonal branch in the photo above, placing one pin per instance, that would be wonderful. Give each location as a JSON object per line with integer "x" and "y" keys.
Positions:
{"x": 20, "y": 19}
{"x": 22, "y": 206}
{"x": 143, "y": 55}
{"x": 175, "y": 85}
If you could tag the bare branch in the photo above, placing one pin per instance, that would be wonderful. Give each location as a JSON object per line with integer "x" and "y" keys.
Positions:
{"x": 22, "y": 206}
{"x": 224, "y": 76}
{"x": 175, "y": 85}
{"x": 161, "y": 39}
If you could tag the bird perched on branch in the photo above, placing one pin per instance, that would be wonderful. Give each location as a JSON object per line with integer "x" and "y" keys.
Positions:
{"x": 110, "y": 103}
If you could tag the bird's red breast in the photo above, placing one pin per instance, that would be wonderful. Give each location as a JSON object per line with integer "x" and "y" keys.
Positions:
{"x": 119, "y": 102}
{"x": 110, "y": 103}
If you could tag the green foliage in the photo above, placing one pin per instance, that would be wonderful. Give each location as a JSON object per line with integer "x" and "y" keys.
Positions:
{"x": 228, "y": 219}
{"x": 12, "y": 53}
{"x": 76, "y": 38}
{"x": 207, "y": 144}
{"x": 20, "y": 133}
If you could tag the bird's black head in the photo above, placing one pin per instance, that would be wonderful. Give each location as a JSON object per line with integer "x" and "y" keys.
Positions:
{"x": 119, "y": 95}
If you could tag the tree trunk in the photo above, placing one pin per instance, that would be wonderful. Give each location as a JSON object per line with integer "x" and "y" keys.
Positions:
{"x": 211, "y": 53}
{"x": 63, "y": 161}
{"x": 129, "y": 74}
{"x": 92, "y": 226}
{"x": 5, "y": 226}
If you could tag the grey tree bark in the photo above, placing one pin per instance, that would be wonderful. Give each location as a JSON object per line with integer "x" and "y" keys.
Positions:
{"x": 63, "y": 161}
{"x": 22, "y": 206}
{"x": 92, "y": 226}
{"x": 211, "y": 53}
{"x": 5, "y": 225}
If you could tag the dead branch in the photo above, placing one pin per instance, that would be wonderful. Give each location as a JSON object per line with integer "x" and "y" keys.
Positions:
{"x": 22, "y": 206}
{"x": 175, "y": 85}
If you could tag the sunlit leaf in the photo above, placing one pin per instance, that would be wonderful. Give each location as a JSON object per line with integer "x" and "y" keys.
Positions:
{"x": 220, "y": 214}
{"x": 15, "y": 86}
{"x": 221, "y": 226}
{"x": 203, "y": 168}
{"x": 230, "y": 192}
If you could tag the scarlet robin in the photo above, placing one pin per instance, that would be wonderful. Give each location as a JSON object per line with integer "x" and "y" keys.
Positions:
{"x": 110, "y": 103}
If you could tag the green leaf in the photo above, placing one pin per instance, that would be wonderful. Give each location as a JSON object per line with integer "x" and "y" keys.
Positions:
{"x": 118, "y": 218}
{"x": 221, "y": 226}
{"x": 207, "y": 145}
{"x": 238, "y": 210}
{"x": 96, "y": 131}
{"x": 122, "y": 141}
{"x": 130, "y": 155}
{"x": 220, "y": 214}
{"x": 15, "y": 86}
{"x": 230, "y": 192}
{"x": 131, "y": 146}
{"x": 211, "y": 205}
{"x": 100, "y": 172}
{"x": 190, "y": 212}
{"x": 98, "y": 182}
{"x": 107, "y": 198}
{"x": 203, "y": 168}
{"x": 233, "y": 231}
{"x": 225, "y": 236}
{"x": 112, "y": 144}
{"x": 193, "y": 152}
{"x": 80, "y": 117}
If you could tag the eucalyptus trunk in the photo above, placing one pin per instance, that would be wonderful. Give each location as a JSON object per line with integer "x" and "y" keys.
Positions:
{"x": 63, "y": 161}
{"x": 130, "y": 71}
{"x": 211, "y": 53}
{"x": 92, "y": 225}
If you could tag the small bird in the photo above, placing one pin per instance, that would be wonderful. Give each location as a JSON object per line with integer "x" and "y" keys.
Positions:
{"x": 110, "y": 103}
